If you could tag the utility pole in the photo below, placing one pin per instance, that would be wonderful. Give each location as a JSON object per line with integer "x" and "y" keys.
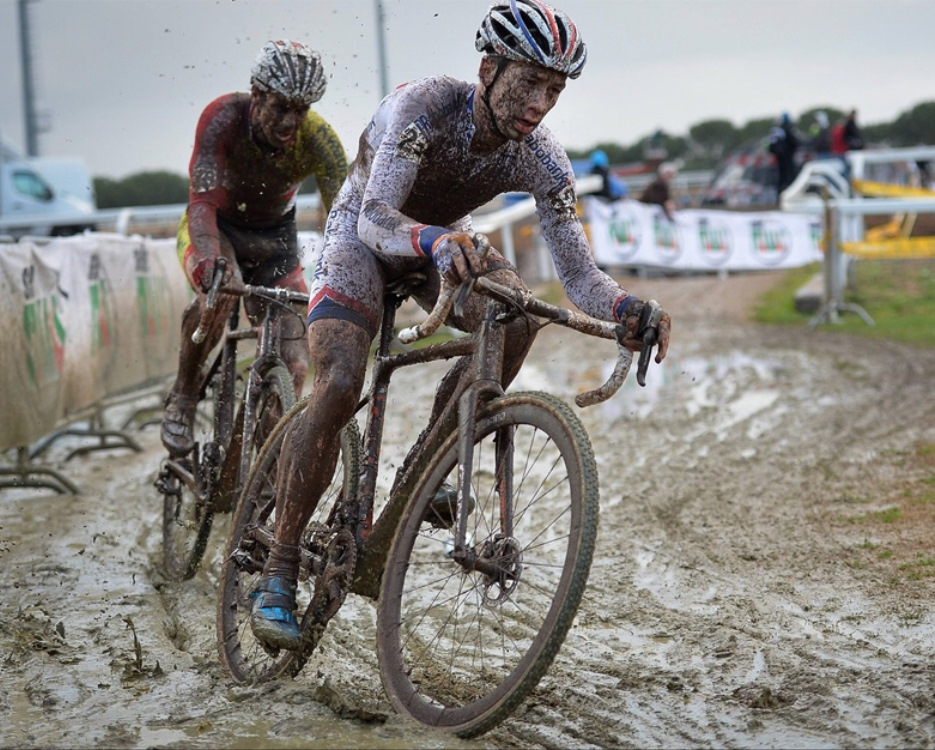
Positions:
{"x": 29, "y": 98}
{"x": 381, "y": 50}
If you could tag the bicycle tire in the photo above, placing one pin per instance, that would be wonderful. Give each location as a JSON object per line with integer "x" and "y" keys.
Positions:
{"x": 459, "y": 650}
{"x": 187, "y": 514}
{"x": 244, "y": 657}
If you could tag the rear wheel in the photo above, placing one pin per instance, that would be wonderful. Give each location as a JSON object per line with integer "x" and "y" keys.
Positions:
{"x": 465, "y": 633}
{"x": 254, "y": 522}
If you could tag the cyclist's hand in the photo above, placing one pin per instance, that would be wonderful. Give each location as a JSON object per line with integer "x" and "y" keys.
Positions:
{"x": 635, "y": 327}
{"x": 456, "y": 257}
{"x": 203, "y": 274}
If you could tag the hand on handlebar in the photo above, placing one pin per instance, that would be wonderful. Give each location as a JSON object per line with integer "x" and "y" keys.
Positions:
{"x": 205, "y": 273}
{"x": 646, "y": 325}
{"x": 456, "y": 257}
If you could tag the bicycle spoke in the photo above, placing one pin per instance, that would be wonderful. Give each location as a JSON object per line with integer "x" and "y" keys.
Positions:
{"x": 460, "y": 647}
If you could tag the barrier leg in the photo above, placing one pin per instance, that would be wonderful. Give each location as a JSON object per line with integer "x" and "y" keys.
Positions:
{"x": 25, "y": 474}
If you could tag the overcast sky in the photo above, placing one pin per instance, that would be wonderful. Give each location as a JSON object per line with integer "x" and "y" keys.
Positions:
{"x": 121, "y": 83}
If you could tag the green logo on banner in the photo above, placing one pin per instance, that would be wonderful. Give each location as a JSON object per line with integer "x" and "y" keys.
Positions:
{"x": 152, "y": 297}
{"x": 102, "y": 317}
{"x": 664, "y": 233}
{"x": 44, "y": 333}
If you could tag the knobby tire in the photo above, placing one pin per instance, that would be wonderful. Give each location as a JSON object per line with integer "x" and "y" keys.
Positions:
{"x": 460, "y": 650}
{"x": 187, "y": 516}
{"x": 247, "y": 659}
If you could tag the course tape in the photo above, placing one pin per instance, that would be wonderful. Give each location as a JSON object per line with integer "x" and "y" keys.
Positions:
{"x": 886, "y": 190}
{"x": 912, "y": 247}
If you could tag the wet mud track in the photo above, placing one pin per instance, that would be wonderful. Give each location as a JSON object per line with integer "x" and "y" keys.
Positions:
{"x": 763, "y": 576}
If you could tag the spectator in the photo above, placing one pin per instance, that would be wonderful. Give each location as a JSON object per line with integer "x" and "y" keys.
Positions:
{"x": 820, "y": 133}
{"x": 924, "y": 168}
{"x": 783, "y": 144}
{"x": 853, "y": 135}
{"x": 612, "y": 187}
{"x": 659, "y": 191}
{"x": 838, "y": 144}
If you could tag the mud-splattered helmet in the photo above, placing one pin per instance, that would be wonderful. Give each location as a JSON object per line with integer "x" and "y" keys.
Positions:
{"x": 290, "y": 69}
{"x": 531, "y": 31}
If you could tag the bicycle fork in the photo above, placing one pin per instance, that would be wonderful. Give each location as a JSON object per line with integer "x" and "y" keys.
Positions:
{"x": 486, "y": 384}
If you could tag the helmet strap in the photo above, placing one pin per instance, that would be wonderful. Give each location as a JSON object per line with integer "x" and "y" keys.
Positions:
{"x": 501, "y": 64}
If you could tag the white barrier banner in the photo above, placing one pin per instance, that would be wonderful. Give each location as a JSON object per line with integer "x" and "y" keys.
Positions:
{"x": 630, "y": 233}
{"x": 83, "y": 317}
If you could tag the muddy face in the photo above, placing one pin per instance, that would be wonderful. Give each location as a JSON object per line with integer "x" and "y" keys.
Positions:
{"x": 276, "y": 120}
{"x": 521, "y": 96}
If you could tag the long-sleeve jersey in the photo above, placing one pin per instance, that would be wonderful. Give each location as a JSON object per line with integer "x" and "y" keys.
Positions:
{"x": 415, "y": 176}
{"x": 232, "y": 178}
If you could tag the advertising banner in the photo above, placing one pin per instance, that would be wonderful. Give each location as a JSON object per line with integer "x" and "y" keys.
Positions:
{"x": 83, "y": 318}
{"x": 630, "y": 233}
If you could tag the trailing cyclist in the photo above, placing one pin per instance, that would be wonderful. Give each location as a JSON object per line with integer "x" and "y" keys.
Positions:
{"x": 435, "y": 150}
{"x": 252, "y": 152}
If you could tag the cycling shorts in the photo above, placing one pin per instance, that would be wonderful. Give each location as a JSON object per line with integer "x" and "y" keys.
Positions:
{"x": 267, "y": 256}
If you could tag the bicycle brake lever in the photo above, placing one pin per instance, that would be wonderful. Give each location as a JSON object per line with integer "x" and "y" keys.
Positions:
{"x": 198, "y": 335}
{"x": 463, "y": 292}
{"x": 648, "y": 332}
{"x": 482, "y": 246}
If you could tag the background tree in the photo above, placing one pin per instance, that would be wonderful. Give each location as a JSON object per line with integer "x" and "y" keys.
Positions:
{"x": 141, "y": 189}
{"x": 711, "y": 139}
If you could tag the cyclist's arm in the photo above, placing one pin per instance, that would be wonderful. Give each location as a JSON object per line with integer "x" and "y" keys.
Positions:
{"x": 206, "y": 191}
{"x": 330, "y": 162}
{"x": 587, "y": 286}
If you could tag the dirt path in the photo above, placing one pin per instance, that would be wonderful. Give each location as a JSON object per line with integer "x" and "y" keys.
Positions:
{"x": 763, "y": 576}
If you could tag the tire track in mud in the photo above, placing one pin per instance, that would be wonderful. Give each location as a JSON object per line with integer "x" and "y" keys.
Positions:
{"x": 726, "y": 605}
{"x": 719, "y": 610}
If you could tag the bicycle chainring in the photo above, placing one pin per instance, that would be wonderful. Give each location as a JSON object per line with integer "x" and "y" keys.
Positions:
{"x": 331, "y": 588}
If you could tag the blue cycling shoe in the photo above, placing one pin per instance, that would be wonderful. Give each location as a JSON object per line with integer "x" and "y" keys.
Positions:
{"x": 272, "y": 618}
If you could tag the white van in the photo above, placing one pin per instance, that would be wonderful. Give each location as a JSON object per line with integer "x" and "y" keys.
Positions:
{"x": 44, "y": 196}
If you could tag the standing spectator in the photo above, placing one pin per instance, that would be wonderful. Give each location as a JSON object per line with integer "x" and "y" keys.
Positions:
{"x": 820, "y": 133}
{"x": 838, "y": 143}
{"x": 783, "y": 144}
{"x": 612, "y": 187}
{"x": 659, "y": 191}
{"x": 853, "y": 135}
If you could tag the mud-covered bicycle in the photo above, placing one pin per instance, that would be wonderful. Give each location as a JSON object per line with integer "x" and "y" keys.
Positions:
{"x": 481, "y": 553}
{"x": 237, "y": 409}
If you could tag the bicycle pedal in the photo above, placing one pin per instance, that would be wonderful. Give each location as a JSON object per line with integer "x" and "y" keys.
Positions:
{"x": 244, "y": 560}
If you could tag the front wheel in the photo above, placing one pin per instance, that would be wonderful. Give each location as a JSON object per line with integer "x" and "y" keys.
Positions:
{"x": 466, "y": 631}
{"x": 275, "y": 397}
{"x": 254, "y": 523}
{"x": 187, "y": 510}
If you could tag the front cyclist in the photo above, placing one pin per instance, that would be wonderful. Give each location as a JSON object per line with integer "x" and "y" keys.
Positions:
{"x": 252, "y": 152}
{"x": 435, "y": 150}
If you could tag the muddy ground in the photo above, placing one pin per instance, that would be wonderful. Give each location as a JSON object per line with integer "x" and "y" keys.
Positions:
{"x": 763, "y": 577}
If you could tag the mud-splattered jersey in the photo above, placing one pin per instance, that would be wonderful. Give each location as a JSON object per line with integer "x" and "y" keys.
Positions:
{"x": 230, "y": 177}
{"x": 415, "y": 176}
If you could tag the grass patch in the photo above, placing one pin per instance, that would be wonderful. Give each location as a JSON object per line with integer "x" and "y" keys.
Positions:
{"x": 899, "y": 295}
{"x": 897, "y": 538}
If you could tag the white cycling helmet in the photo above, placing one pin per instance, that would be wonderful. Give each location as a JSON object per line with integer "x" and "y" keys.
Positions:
{"x": 531, "y": 31}
{"x": 290, "y": 69}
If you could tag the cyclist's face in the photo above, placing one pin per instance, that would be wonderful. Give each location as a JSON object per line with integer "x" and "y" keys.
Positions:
{"x": 522, "y": 95}
{"x": 276, "y": 120}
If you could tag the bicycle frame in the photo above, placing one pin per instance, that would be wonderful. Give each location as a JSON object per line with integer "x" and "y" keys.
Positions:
{"x": 235, "y": 419}
{"x": 486, "y": 347}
